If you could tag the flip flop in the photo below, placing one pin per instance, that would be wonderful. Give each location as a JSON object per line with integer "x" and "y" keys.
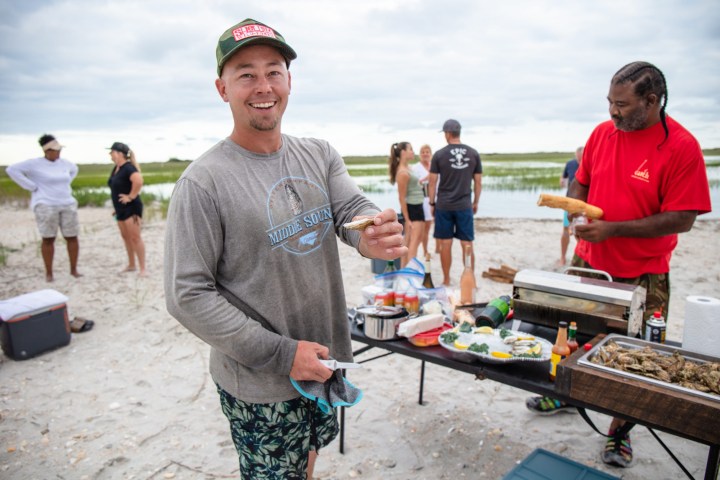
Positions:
{"x": 80, "y": 324}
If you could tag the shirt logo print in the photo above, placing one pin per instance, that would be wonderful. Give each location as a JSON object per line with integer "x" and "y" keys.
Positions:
{"x": 300, "y": 215}
{"x": 459, "y": 160}
{"x": 642, "y": 173}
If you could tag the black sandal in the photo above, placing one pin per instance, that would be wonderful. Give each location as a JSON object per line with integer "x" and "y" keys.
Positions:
{"x": 80, "y": 325}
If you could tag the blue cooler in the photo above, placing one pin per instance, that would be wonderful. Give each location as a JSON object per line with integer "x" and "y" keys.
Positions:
{"x": 544, "y": 465}
{"x": 33, "y": 323}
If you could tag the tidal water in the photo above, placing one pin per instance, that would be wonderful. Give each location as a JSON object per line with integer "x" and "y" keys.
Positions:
{"x": 494, "y": 202}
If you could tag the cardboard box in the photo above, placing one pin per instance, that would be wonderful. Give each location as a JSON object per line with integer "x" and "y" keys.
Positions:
{"x": 33, "y": 323}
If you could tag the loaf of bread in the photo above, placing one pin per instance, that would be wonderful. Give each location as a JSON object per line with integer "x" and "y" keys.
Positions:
{"x": 570, "y": 205}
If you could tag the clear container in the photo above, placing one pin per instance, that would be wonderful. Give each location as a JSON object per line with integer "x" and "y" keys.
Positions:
{"x": 579, "y": 220}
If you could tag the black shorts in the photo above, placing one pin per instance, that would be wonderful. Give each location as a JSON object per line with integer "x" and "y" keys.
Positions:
{"x": 416, "y": 212}
{"x": 132, "y": 209}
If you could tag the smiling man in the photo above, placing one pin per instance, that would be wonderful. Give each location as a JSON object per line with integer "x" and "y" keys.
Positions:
{"x": 648, "y": 174}
{"x": 252, "y": 264}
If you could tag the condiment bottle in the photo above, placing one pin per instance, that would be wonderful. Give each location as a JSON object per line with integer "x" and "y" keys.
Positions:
{"x": 494, "y": 313}
{"x": 572, "y": 341}
{"x": 385, "y": 298}
{"x": 380, "y": 298}
{"x": 399, "y": 299}
{"x": 389, "y": 268}
{"x": 427, "y": 280}
{"x": 412, "y": 301}
{"x": 560, "y": 350}
{"x": 467, "y": 280}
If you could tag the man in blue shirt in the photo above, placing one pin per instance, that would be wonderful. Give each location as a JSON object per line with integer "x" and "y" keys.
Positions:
{"x": 566, "y": 179}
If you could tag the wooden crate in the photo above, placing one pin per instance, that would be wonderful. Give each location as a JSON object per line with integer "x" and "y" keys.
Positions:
{"x": 681, "y": 413}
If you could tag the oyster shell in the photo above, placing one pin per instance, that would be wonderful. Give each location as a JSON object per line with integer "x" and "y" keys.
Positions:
{"x": 361, "y": 224}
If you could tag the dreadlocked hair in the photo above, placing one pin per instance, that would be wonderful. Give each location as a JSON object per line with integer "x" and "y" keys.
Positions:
{"x": 646, "y": 79}
{"x": 394, "y": 160}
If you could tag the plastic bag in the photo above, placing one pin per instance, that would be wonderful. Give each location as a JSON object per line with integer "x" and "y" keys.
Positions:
{"x": 410, "y": 276}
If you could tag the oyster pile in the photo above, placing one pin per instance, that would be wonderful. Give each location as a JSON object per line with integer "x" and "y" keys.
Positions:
{"x": 704, "y": 377}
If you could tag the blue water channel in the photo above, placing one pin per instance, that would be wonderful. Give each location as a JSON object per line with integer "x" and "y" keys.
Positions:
{"x": 494, "y": 202}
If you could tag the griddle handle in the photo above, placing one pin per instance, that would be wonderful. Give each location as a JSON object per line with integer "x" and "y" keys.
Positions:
{"x": 588, "y": 270}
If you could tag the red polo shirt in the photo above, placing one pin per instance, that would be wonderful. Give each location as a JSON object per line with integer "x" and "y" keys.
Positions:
{"x": 633, "y": 175}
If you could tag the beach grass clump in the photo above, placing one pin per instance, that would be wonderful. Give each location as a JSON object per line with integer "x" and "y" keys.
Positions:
{"x": 4, "y": 253}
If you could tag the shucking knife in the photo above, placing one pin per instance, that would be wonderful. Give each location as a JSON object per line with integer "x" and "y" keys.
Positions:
{"x": 333, "y": 364}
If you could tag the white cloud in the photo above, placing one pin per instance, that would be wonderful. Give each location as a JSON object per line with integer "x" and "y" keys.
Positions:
{"x": 520, "y": 76}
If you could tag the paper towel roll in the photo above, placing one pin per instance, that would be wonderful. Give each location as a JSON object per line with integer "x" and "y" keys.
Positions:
{"x": 702, "y": 325}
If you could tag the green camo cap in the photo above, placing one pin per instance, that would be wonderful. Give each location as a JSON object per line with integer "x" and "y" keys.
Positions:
{"x": 250, "y": 32}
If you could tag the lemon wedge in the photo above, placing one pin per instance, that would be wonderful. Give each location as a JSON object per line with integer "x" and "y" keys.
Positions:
{"x": 536, "y": 350}
{"x": 525, "y": 337}
{"x": 460, "y": 346}
{"x": 484, "y": 330}
{"x": 500, "y": 354}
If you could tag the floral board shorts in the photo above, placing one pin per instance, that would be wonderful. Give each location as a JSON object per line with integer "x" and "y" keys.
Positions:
{"x": 657, "y": 286}
{"x": 273, "y": 440}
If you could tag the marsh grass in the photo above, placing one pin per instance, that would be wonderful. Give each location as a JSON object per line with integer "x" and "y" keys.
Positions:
{"x": 530, "y": 171}
{"x": 90, "y": 186}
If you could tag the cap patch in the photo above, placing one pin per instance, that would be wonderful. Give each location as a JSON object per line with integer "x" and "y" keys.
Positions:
{"x": 248, "y": 31}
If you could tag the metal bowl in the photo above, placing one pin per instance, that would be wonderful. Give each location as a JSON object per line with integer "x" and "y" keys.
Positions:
{"x": 380, "y": 323}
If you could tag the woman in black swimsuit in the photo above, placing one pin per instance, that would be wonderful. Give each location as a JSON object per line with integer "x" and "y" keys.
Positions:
{"x": 125, "y": 184}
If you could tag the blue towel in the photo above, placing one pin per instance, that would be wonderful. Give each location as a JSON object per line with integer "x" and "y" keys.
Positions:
{"x": 337, "y": 391}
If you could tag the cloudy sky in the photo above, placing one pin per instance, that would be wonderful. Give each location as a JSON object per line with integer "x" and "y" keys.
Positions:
{"x": 521, "y": 76}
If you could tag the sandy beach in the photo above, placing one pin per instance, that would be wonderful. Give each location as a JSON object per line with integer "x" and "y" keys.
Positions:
{"x": 133, "y": 399}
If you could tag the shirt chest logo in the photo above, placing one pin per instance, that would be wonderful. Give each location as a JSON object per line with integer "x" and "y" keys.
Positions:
{"x": 642, "y": 173}
{"x": 300, "y": 215}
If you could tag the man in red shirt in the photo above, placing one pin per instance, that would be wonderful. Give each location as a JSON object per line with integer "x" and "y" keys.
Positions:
{"x": 648, "y": 175}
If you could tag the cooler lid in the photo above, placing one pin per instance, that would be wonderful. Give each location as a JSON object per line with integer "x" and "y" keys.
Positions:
{"x": 29, "y": 302}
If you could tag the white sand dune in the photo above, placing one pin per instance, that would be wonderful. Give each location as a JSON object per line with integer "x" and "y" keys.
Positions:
{"x": 132, "y": 399}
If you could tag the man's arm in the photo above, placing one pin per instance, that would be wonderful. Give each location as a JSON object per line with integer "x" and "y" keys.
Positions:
{"x": 432, "y": 185}
{"x": 658, "y": 225}
{"x": 477, "y": 178}
{"x": 578, "y": 191}
{"x": 383, "y": 240}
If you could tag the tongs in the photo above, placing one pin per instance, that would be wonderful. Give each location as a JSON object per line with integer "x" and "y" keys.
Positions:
{"x": 333, "y": 364}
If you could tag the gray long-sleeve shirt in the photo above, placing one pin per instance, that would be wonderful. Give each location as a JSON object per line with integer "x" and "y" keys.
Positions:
{"x": 260, "y": 229}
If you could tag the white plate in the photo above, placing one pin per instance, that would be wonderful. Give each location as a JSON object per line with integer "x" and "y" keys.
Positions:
{"x": 495, "y": 344}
